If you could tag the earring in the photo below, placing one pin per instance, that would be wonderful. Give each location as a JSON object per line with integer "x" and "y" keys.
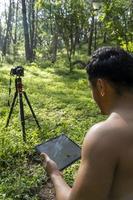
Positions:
{"x": 102, "y": 94}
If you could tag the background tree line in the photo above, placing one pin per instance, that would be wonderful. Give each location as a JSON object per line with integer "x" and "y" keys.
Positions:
{"x": 43, "y": 28}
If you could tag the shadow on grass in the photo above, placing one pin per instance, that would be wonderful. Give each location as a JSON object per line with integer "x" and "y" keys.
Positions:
{"x": 75, "y": 75}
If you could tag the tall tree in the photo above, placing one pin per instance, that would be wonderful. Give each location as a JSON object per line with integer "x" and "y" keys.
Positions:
{"x": 15, "y": 35}
{"x": 91, "y": 31}
{"x": 1, "y": 36}
{"x": 28, "y": 53}
{"x": 32, "y": 28}
{"x": 6, "y": 42}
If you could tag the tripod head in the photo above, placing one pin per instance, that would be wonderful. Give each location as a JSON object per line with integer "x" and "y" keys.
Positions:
{"x": 18, "y": 71}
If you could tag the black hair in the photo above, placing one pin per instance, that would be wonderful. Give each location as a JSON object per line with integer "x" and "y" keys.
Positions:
{"x": 114, "y": 65}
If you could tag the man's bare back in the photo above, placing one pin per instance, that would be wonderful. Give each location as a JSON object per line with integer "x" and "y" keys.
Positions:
{"x": 122, "y": 185}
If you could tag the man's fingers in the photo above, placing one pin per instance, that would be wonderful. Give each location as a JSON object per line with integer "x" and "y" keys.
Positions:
{"x": 44, "y": 158}
{"x": 49, "y": 165}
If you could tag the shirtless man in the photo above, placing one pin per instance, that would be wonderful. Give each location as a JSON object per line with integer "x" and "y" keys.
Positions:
{"x": 106, "y": 169}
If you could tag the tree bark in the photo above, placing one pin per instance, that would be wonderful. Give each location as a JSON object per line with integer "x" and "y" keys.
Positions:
{"x": 54, "y": 47}
{"x": 31, "y": 20}
{"x": 15, "y": 31}
{"x": 1, "y": 36}
{"x": 90, "y": 39}
{"x": 105, "y": 37}
{"x": 95, "y": 38}
{"x": 8, "y": 29}
{"x": 26, "y": 33}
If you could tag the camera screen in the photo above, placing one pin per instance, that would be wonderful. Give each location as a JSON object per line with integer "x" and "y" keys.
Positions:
{"x": 62, "y": 150}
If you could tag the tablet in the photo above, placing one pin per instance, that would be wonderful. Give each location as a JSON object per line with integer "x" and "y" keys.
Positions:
{"x": 62, "y": 150}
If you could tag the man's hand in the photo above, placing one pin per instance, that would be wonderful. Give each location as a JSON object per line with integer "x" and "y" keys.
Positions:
{"x": 61, "y": 188}
{"x": 49, "y": 165}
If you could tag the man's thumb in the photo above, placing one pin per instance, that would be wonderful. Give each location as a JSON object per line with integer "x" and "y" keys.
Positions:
{"x": 44, "y": 158}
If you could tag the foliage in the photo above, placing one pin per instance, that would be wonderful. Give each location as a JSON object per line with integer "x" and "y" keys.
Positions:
{"x": 117, "y": 18}
{"x": 62, "y": 103}
{"x": 58, "y": 26}
{"x": 128, "y": 46}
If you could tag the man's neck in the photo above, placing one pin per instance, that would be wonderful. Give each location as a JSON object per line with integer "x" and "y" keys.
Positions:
{"x": 123, "y": 103}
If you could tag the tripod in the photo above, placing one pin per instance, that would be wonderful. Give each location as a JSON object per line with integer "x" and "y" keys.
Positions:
{"x": 19, "y": 93}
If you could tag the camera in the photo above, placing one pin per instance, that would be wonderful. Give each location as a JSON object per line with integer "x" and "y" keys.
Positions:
{"x": 18, "y": 71}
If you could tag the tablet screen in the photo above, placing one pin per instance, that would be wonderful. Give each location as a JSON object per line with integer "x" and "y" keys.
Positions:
{"x": 62, "y": 150}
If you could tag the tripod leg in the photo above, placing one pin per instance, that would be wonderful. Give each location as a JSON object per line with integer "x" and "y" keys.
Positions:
{"x": 22, "y": 116}
{"x": 11, "y": 109}
{"x": 25, "y": 95}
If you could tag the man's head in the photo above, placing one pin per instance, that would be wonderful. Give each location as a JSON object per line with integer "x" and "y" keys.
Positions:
{"x": 110, "y": 73}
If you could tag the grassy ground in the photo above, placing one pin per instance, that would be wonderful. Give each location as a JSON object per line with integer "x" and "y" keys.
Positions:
{"x": 62, "y": 103}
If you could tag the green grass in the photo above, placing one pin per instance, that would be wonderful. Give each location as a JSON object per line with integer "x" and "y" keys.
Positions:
{"x": 62, "y": 103}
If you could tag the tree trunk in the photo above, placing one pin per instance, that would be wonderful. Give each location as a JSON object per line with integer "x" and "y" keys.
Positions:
{"x": 36, "y": 30}
{"x": 31, "y": 20}
{"x": 15, "y": 32}
{"x": 77, "y": 37}
{"x": 95, "y": 39}
{"x": 51, "y": 18}
{"x": 125, "y": 32}
{"x": 54, "y": 47}
{"x": 1, "y": 36}
{"x": 33, "y": 44}
{"x": 26, "y": 33}
{"x": 105, "y": 37}
{"x": 9, "y": 27}
{"x": 90, "y": 39}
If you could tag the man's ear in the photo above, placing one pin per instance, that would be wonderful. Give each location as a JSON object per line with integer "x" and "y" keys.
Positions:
{"x": 101, "y": 86}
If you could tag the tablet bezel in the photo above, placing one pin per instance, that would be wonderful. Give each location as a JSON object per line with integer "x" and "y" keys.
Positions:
{"x": 67, "y": 165}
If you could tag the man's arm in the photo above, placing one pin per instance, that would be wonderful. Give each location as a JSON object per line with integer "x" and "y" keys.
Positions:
{"x": 61, "y": 187}
{"x": 95, "y": 175}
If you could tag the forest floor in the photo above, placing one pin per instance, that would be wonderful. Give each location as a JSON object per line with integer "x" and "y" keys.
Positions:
{"x": 47, "y": 192}
{"x": 62, "y": 103}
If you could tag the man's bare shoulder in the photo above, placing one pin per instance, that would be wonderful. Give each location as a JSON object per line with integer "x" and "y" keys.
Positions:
{"x": 103, "y": 130}
{"x": 102, "y": 138}
{"x": 108, "y": 130}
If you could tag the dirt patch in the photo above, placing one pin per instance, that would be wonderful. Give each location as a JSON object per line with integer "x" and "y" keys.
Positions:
{"x": 47, "y": 192}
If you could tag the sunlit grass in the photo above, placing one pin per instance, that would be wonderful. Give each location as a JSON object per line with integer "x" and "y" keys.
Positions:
{"x": 62, "y": 103}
